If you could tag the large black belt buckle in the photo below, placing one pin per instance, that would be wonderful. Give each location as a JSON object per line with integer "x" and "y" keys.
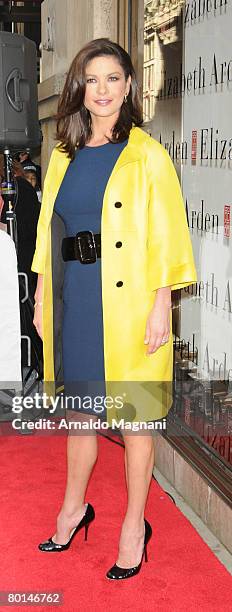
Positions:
{"x": 85, "y": 247}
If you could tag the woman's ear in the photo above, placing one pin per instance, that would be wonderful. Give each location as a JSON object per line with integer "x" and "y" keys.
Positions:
{"x": 129, "y": 83}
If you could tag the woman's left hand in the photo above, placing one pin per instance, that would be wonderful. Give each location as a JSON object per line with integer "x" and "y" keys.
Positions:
{"x": 158, "y": 326}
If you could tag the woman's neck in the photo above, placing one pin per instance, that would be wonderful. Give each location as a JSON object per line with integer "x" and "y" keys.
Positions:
{"x": 102, "y": 128}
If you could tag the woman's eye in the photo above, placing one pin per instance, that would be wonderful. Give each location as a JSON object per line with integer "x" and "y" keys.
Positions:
{"x": 92, "y": 79}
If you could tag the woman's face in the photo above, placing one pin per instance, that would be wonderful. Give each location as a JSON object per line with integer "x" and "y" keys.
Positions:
{"x": 106, "y": 86}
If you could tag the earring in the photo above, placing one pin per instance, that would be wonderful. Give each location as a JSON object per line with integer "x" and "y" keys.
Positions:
{"x": 125, "y": 97}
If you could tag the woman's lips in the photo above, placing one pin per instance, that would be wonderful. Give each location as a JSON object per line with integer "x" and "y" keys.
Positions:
{"x": 103, "y": 102}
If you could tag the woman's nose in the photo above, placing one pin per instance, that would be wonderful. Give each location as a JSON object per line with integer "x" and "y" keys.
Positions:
{"x": 102, "y": 88}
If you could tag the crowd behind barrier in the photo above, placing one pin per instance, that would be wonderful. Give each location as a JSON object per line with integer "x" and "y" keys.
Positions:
{"x": 26, "y": 203}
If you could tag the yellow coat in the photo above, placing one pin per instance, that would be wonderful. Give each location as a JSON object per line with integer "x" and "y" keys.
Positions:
{"x": 156, "y": 252}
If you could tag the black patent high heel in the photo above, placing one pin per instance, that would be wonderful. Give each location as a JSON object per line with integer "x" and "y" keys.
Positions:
{"x": 119, "y": 573}
{"x": 50, "y": 546}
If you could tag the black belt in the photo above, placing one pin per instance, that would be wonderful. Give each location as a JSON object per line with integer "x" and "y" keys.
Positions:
{"x": 85, "y": 247}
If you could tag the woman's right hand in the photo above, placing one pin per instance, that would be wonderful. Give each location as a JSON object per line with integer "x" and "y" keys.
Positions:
{"x": 37, "y": 321}
{"x": 38, "y": 308}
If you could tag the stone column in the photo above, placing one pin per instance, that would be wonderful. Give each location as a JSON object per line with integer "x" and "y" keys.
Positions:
{"x": 66, "y": 27}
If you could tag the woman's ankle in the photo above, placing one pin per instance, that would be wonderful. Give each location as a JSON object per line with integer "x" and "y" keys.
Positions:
{"x": 70, "y": 511}
{"x": 134, "y": 523}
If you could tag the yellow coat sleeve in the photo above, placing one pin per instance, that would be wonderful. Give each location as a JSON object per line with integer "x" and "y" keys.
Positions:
{"x": 170, "y": 254}
{"x": 39, "y": 259}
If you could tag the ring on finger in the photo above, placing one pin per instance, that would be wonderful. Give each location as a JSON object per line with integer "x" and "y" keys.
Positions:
{"x": 164, "y": 340}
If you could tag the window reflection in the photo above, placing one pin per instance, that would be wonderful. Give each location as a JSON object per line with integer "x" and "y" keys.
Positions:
{"x": 187, "y": 88}
{"x": 162, "y": 26}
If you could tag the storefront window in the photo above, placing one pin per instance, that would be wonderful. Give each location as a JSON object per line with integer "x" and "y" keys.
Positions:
{"x": 187, "y": 91}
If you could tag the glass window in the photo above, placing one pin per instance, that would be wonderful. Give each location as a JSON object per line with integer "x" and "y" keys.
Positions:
{"x": 187, "y": 106}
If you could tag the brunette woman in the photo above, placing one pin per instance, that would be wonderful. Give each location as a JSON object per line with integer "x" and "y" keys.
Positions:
{"x": 124, "y": 246}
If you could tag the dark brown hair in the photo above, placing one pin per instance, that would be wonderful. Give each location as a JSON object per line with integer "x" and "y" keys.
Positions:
{"x": 74, "y": 119}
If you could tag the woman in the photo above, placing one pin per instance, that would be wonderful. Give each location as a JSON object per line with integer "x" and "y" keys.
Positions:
{"x": 107, "y": 176}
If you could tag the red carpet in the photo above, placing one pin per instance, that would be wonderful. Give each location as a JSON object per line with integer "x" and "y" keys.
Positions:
{"x": 181, "y": 574}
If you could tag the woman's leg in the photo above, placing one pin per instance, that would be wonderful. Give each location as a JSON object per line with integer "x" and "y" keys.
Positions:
{"x": 81, "y": 457}
{"x": 139, "y": 464}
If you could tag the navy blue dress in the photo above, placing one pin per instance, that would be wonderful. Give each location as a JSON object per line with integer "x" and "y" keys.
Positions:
{"x": 79, "y": 204}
